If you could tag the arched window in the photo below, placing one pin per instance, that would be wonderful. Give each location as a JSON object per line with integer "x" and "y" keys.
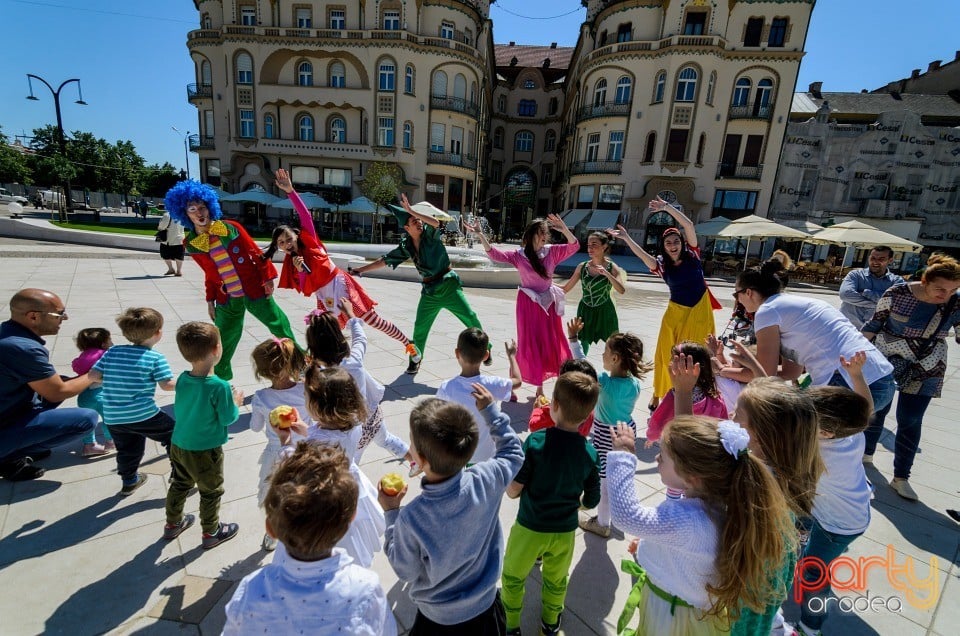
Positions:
{"x": 338, "y": 75}
{"x": 659, "y": 87}
{"x": 408, "y": 135}
{"x": 387, "y": 75}
{"x": 338, "y": 131}
{"x": 529, "y": 84}
{"x": 502, "y": 104}
{"x": 206, "y": 77}
{"x": 305, "y": 128}
{"x": 523, "y": 142}
{"x": 600, "y": 92}
{"x": 711, "y": 85}
{"x": 498, "y": 138}
{"x": 439, "y": 85}
{"x": 700, "y": 148}
{"x": 624, "y": 86}
{"x": 741, "y": 92}
{"x": 460, "y": 86}
{"x": 550, "y": 141}
{"x": 409, "y": 80}
{"x": 205, "y": 22}
{"x": 244, "y": 69}
{"x": 305, "y": 74}
{"x": 649, "y": 148}
{"x": 268, "y": 127}
{"x": 687, "y": 85}
{"x": 764, "y": 91}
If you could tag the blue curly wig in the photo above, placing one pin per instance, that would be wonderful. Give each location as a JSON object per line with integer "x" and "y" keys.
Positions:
{"x": 187, "y": 192}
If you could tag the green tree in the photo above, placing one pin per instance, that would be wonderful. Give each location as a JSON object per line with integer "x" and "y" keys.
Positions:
{"x": 158, "y": 179}
{"x": 381, "y": 183}
{"x": 13, "y": 163}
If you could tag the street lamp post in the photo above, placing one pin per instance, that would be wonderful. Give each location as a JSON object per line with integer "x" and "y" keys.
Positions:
{"x": 186, "y": 150}
{"x": 61, "y": 138}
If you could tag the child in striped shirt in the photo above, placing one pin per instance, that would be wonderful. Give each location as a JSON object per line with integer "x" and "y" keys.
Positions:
{"x": 130, "y": 375}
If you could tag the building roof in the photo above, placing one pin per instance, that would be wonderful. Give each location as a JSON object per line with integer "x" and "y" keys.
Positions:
{"x": 875, "y": 103}
{"x": 533, "y": 55}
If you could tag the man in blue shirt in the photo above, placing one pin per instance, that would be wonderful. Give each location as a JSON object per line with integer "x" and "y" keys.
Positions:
{"x": 862, "y": 288}
{"x": 31, "y": 389}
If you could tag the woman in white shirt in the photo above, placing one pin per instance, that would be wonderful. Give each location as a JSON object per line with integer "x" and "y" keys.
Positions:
{"x": 171, "y": 247}
{"x": 806, "y": 333}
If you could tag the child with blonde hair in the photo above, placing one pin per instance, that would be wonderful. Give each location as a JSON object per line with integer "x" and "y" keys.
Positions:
{"x": 623, "y": 368}
{"x": 329, "y": 348}
{"x": 702, "y": 558}
{"x": 280, "y": 361}
{"x": 93, "y": 343}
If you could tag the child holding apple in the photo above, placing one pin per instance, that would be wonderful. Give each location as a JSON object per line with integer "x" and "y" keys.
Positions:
{"x": 560, "y": 473}
{"x": 279, "y": 361}
{"x": 454, "y": 594}
{"x": 315, "y": 587}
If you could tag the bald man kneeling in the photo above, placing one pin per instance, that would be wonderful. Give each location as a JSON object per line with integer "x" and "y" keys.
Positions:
{"x": 31, "y": 389}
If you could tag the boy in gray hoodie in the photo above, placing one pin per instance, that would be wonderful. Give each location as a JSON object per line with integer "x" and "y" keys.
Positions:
{"x": 453, "y": 582}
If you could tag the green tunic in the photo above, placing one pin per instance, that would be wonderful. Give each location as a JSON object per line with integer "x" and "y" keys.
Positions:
{"x": 596, "y": 309}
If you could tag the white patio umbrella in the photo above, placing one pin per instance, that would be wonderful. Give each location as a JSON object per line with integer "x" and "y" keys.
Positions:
{"x": 857, "y": 234}
{"x": 753, "y": 226}
{"x": 710, "y": 227}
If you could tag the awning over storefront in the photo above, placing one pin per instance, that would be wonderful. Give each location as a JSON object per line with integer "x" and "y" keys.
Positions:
{"x": 603, "y": 219}
{"x": 572, "y": 218}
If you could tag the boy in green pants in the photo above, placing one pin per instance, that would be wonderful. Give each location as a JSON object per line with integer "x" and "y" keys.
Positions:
{"x": 560, "y": 473}
{"x": 206, "y": 406}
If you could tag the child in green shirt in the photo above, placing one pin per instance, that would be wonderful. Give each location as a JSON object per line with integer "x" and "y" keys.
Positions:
{"x": 206, "y": 406}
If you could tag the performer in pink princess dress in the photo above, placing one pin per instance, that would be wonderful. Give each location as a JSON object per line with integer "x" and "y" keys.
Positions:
{"x": 541, "y": 341}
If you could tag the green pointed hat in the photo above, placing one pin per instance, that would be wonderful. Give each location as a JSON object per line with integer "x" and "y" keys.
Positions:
{"x": 402, "y": 215}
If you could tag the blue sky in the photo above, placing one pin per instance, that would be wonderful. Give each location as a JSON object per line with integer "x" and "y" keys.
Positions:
{"x": 131, "y": 57}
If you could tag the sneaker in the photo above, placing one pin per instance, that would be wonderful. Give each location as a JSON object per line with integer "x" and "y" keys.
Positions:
{"x": 867, "y": 460}
{"x": 173, "y": 530}
{"x": 21, "y": 470}
{"x": 226, "y": 532}
{"x": 269, "y": 543}
{"x": 904, "y": 489}
{"x": 127, "y": 490}
{"x": 547, "y": 629}
{"x": 110, "y": 446}
{"x": 413, "y": 367}
{"x": 170, "y": 273}
{"x": 592, "y": 525}
{"x": 93, "y": 450}
{"x": 412, "y": 353}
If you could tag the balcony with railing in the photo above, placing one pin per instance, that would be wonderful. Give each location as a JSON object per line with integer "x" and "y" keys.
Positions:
{"x": 199, "y": 91}
{"x": 456, "y": 104}
{"x": 200, "y": 143}
{"x": 452, "y": 159}
{"x": 201, "y": 37}
{"x": 596, "y": 167}
{"x": 698, "y": 41}
{"x": 751, "y": 112}
{"x": 326, "y": 149}
{"x": 606, "y": 109}
{"x": 739, "y": 171}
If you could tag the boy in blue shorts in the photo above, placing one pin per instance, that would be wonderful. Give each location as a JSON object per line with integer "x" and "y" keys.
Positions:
{"x": 130, "y": 375}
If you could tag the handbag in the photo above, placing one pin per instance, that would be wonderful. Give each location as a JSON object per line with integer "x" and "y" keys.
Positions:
{"x": 160, "y": 236}
{"x": 906, "y": 371}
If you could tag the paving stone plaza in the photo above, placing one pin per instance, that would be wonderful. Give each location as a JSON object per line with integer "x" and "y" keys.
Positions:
{"x": 77, "y": 559}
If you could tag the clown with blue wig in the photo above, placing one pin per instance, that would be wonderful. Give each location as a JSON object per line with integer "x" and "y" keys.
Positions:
{"x": 236, "y": 276}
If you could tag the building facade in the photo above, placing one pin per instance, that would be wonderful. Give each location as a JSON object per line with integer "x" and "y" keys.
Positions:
{"x": 325, "y": 88}
{"x": 889, "y": 159}
{"x": 687, "y": 100}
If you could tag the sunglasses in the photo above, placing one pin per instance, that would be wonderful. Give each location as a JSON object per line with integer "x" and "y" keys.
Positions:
{"x": 62, "y": 315}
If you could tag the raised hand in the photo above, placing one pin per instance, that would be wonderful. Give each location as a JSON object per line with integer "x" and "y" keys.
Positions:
{"x": 574, "y": 326}
{"x": 347, "y": 307}
{"x": 472, "y": 227}
{"x": 684, "y": 373}
{"x": 855, "y": 363}
{"x": 282, "y": 179}
{"x": 511, "y": 347}
{"x": 657, "y": 204}
{"x": 482, "y": 395}
{"x": 623, "y": 438}
{"x": 556, "y": 222}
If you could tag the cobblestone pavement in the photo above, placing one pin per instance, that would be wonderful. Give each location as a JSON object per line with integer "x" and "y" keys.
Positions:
{"x": 75, "y": 558}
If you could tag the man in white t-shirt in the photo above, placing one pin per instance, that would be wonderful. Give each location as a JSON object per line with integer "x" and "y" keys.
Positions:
{"x": 472, "y": 349}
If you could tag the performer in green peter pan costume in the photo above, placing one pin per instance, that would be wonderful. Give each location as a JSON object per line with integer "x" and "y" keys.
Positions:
{"x": 441, "y": 287}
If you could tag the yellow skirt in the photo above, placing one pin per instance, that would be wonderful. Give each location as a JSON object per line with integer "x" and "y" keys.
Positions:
{"x": 661, "y": 617}
{"x": 679, "y": 323}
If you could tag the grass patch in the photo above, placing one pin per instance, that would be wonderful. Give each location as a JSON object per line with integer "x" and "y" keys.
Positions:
{"x": 149, "y": 229}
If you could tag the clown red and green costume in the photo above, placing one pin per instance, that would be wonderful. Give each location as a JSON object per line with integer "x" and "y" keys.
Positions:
{"x": 237, "y": 279}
